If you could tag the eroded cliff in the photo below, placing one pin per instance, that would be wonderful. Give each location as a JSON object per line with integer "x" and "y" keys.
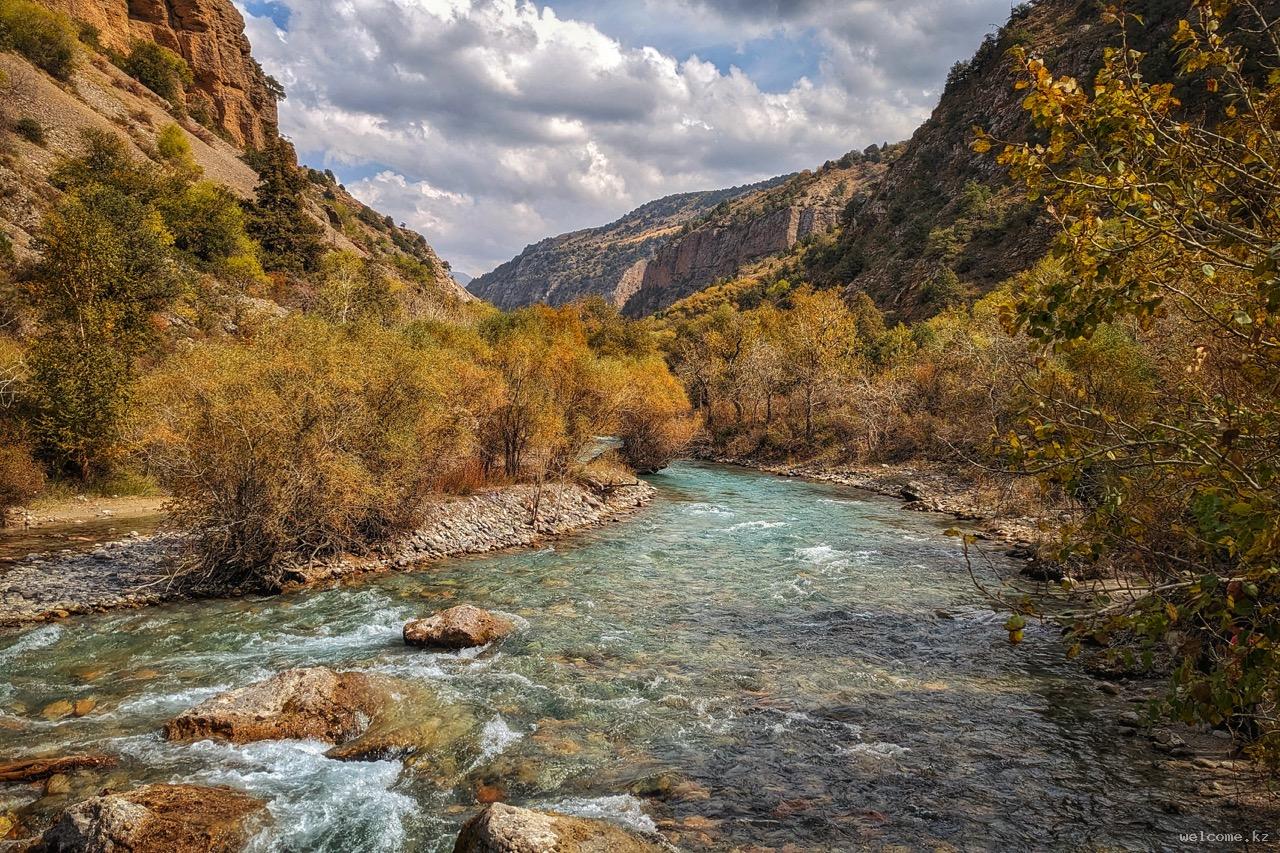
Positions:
{"x": 230, "y": 87}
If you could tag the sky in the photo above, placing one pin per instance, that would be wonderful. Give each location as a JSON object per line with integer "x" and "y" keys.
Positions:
{"x": 489, "y": 124}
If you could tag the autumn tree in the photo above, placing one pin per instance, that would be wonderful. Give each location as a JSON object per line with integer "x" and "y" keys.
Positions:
{"x": 818, "y": 343}
{"x": 104, "y": 269}
{"x": 1169, "y": 218}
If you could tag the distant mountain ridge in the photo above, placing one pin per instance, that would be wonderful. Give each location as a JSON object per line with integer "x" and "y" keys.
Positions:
{"x": 606, "y": 260}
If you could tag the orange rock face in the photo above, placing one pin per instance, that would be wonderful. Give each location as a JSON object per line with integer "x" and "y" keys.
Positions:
{"x": 457, "y": 628}
{"x": 229, "y": 85}
{"x": 158, "y": 819}
{"x": 315, "y": 703}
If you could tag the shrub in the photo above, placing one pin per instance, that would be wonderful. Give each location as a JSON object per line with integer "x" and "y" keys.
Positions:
{"x": 174, "y": 149}
{"x": 159, "y": 69}
{"x": 30, "y": 130}
{"x": 655, "y": 424}
{"x": 21, "y": 478}
{"x": 309, "y": 442}
{"x": 45, "y": 37}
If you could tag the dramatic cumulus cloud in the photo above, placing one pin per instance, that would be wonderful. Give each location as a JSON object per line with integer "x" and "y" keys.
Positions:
{"x": 488, "y": 124}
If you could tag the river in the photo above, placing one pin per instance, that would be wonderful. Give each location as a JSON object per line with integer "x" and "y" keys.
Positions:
{"x": 750, "y": 660}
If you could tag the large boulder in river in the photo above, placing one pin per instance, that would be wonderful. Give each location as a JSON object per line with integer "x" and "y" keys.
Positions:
{"x": 314, "y": 703}
{"x": 457, "y": 628}
{"x": 500, "y": 828}
{"x": 158, "y": 819}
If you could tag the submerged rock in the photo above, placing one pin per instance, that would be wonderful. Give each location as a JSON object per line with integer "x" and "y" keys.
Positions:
{"x": 367, "y": 717}
{"x": 311, "y": 703}
{"x": 500, "y": 828}
{"x": 158, "y": 819}
{"x": 457, "y": 628}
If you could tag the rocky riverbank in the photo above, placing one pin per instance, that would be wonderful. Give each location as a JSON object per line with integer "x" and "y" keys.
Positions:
{"x": 144, "y": 570}
{"x": 996, "y": 506}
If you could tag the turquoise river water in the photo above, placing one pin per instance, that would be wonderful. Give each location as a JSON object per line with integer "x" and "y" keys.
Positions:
{"x": 750, "y": 662}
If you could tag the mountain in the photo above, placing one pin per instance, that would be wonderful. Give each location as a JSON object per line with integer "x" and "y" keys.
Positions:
{"x": 461, "y": 278}
{"x": 750, "y": 228}
{"x": 607, "y": 261}
{"x": 944, "y": 224}
{"x": 226, "y": 114}
{"x": 918, "y": 226}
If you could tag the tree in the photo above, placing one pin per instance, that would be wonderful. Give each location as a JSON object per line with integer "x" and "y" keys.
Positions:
{"x": 818, "y": 343}
{"x": 1169, "y": 220}
{"x": 277, "y": 218}
{"x": 104, "y": 269}
{"x": 308, "y": 442}
{"x": 354, "y": 289}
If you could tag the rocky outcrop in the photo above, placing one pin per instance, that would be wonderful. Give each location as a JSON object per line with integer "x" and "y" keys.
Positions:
{"x": 718, "y": 250}
{"x": 139, "y": 572}
{"x": 500, "y": 828}
{"x": 315, "y": 703}
{"x": 158, "y": 819}
{"x": 458, "y": 627}
{"x": 675, "y": 246}
{"x": 229, "y": 87}
{"x": 607, "y": 261}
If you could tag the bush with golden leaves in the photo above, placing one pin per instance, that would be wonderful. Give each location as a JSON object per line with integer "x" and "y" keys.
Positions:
{"x": 309, "y": 442}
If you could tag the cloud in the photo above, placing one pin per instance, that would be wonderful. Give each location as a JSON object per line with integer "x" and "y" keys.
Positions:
{"x": 489, "y": 124}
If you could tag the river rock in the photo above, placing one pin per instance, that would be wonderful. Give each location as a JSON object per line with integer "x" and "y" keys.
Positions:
{"x": 158, "y": 819}
{"x": 500, "y": 828}
{"x": 311, "y": 703}
{"x": 457, "y": 628}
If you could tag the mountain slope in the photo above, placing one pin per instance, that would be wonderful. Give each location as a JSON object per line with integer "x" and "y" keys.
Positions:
{"x": 242, "y": 117}
{"x": 605, "y": 261}
{"x": 944, "y": 224}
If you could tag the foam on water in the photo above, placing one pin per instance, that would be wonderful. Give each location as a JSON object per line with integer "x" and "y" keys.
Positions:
{"x": 40, "y": 638}
{"x": 316, "y": 803}
{"x": 150, "y": 704}
{"x": 823, "y": 555}
{"x": 707, "y": 509}
{"x": 495, "y": 737}
{"x": 622, "y": 809}
{"x": 877, "y": 749}
{"x": 754, "y": 525}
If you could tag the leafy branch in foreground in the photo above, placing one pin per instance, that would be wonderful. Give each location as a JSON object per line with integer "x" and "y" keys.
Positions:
{"x": 1170, "y": 222}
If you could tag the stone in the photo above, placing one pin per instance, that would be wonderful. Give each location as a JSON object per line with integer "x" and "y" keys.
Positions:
{"x": 57, "y": 710}
{"x": 458, "y": 627}
{"x": 158, "y": 819}
{"x": 500, "y": 828}
{"x": 81, "y": 707}
{"x": 57, "y": 784}
{"x": 310, "y": 703}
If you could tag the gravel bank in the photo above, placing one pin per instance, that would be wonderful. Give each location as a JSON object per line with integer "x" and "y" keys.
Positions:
{"x": 140, "y": 571}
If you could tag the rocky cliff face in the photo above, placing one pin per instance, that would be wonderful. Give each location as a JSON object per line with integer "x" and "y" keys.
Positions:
{"x": 767, "y": 222}
{"x": 607, "y": 261}
{"x": 230, "y": 87}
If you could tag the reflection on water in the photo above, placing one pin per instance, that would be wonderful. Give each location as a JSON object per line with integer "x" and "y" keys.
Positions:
{"x": 751, "y": 661}
{"x": 18, "y": 542}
